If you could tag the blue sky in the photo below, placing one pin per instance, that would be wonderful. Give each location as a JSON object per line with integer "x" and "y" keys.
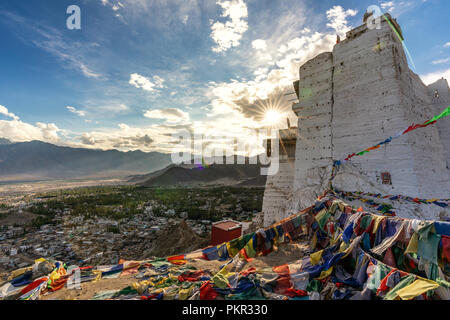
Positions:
{"x": 139, "y": 70}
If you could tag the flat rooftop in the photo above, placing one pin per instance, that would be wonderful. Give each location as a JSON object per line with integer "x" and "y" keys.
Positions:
{"x": 227, "y": 225}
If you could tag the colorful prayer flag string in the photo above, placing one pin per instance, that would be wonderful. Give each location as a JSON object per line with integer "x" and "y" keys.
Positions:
{"x": 384, "y": 208}
{"x": 412, "y": 127}
{"x": 357, "y": 194}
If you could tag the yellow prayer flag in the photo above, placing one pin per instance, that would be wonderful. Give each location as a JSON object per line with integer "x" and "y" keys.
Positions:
{"x": 315, "y": 257}
{"x": 413, "y": 245}
{"x": 320, "y": 215}
{"x": 376, "y": 224}
{"x": 325, "y": 273}
{"x": 184, "y": 293}
{"x": 314, "y": 241}
{"x": 416, "y": 289}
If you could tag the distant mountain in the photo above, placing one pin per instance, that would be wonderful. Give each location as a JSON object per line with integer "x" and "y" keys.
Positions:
{"x": 216, "y": 174}
{"x": 38, "y": 160}
{"x": 4, "y": 141}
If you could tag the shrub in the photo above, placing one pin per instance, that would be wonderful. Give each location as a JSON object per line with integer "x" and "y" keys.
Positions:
{"x": 113, "y": 229}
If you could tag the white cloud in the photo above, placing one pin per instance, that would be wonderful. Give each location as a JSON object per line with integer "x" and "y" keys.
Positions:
{"x": 446, "y": 45}
{"x": 434, "y": 76}
{"x": 114, "y": 108}
{"x": 170, "y": 114}
{"x": 74, "y": 110}
{"x": 123, "y": 138}
{"x": 88, "y": 139}
{"x": 49, "y": 131}
{"x": 251, "y": 98}
{"x": 388, "y": 5}
{"x": 100, "y": 109}
{"x": 441, "y": 61}
{"x": 114, "y": 6}
{"x": 146, "y": 84}
{"x": 227, "y": 35}
{"x": 219, "y": 132}
{"x": 399, "y": 7}
{"x": 4, "y": 111}
{"x": 259, "y": 44}
{"x": 18, "y": 131}
{"x": 85, "y": 70}
{"x": 338, "y": 19}
{"x": 226, "y": 96}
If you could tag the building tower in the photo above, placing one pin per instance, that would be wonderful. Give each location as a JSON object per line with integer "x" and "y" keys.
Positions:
{"x": 355, "y": 97}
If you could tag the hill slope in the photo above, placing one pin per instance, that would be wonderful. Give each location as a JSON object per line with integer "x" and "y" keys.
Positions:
{"x": 216, "y": 174}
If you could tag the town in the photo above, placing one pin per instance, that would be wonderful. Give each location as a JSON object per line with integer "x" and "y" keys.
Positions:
{"x": 100, "y": 225}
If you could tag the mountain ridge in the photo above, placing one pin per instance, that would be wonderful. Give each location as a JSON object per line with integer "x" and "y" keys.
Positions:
{"x": 41, "y": 160}
{"x": 245, "y": 175}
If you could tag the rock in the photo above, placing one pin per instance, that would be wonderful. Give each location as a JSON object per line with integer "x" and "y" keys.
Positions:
{"x": 43, "y": 268}
{"x": 184, "y": 215}
{"x": 170, "y": 212}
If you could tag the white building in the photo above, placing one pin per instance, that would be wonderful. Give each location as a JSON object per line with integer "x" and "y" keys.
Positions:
{"x": 353, "y": 98}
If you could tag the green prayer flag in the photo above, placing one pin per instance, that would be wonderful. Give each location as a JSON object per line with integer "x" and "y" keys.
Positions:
{"x": 362, "y": 152}
{"x": 322, "y": 218}
{"x": 406, "y": 281}
{"x": 314, "y": 285}
{"x": 444, "y": 113}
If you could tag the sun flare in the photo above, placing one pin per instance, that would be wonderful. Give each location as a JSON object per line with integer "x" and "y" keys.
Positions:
{"x": 272, "y": 117}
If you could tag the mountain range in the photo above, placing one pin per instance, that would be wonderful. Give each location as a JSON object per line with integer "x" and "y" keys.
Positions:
{"x": 37, "y": 160}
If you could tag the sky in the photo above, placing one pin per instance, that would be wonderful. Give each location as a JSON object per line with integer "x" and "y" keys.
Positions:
{"x": 140, "y": 71}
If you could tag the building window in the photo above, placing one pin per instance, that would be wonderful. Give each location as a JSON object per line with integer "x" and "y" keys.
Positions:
{"x": 269, "y": 147}
{"x": 386, "y": 178}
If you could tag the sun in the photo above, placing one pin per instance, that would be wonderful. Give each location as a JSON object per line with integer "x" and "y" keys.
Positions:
{"x": 271, "y": 112}
{"x": 272, "y": 117}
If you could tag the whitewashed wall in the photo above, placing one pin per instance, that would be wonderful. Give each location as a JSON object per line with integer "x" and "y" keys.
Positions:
{"x": 277, "y": 193}
{"x": 353, "y": 98}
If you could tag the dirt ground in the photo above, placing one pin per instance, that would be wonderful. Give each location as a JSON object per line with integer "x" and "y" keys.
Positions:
{"x": 89, "y": 289}
{"x": 286, "y": 253}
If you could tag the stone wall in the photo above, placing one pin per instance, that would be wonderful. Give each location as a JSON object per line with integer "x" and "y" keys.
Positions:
{"x": 439, "y": 103}
{"x": 313, "y": 158}
{"x": 278, "y": 192}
